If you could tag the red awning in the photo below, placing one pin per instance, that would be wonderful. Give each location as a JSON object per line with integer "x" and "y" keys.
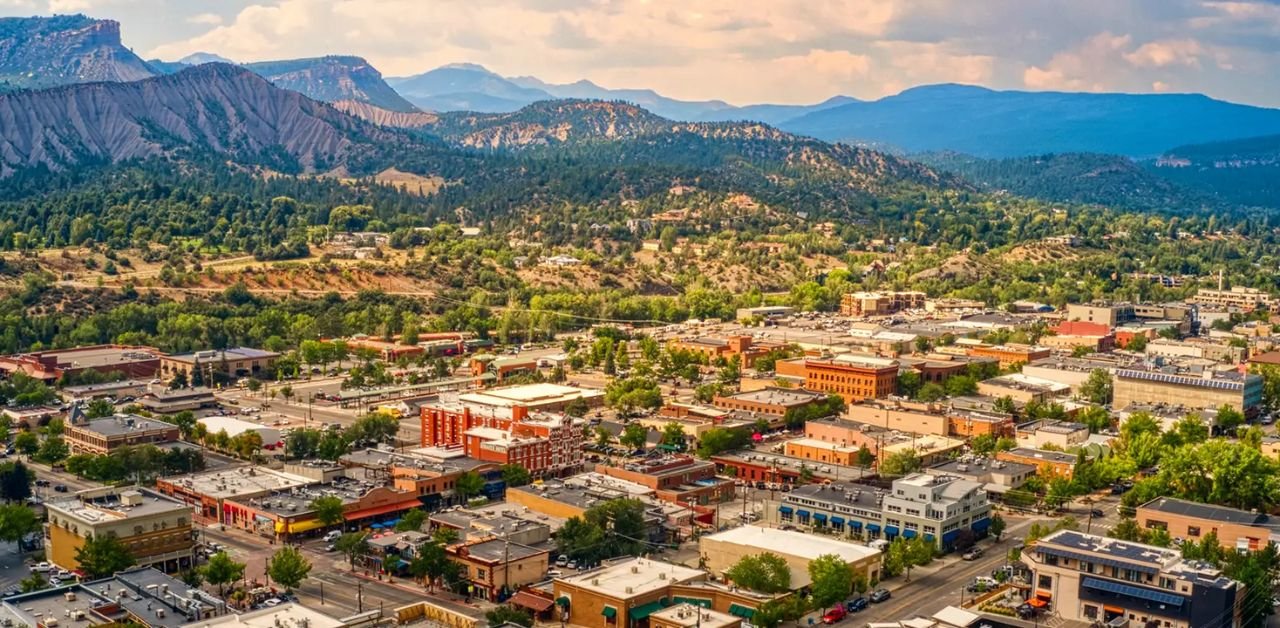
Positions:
{"x": 532, "y": 602}
{"x": 1037, "y": 602}
{"x": 381, "y": 510}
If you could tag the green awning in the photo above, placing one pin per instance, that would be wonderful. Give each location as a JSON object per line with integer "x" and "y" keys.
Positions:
{"x": 644, "y": 610}
{"x": 609, "y": 612}
{"x": 696, "y": 601}
{"x": 741, "y": 611}
{"x": 563, "y": 600}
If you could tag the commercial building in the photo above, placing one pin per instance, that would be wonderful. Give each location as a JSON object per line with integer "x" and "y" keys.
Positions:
{"x": 496, "y": 568}
{"x": 764, "y": 311}
{"x": 676, "y": 479}
{"x": 1010, "y": 354}
{"x": 156, "y": 529}
{"x": 838, "y": 441}
{"x": 127, "y": 361}
{"x": 232, "y": 363}
{"x": 502, "y": 368}
{"x": 431, "y": 473}
{"x": 1063, "y": 435}
{"x": 770, "y": 401}
{"x": 115, "y": 390}
{"x": 687, "y": 615}
{"x": 1238, "y": 297}
{"x": 1105, "y": 314}
{"x": 139, "y": 596}
{"x": 1196, "y": 349}
{"x": 285, "y": 515}
{"x": 880, "y": 303}
{"x": 997, "y": 477}
{"x": 234, "y": 427}
{"x": 1047, "y": 463}
{"x": 1023, "y": 388}
{"x": 963, "y": 422}
{"x": 287, "y": 615}
{"x": 939, "y": 508}
{"x": 207, "y": 491}
{"x": 1096, "y": 579}
{"x": 630, "y": 592}
{"x": 387, "y": 351}
{"x": 179, "y": 400}
{"x": 899, "y": 414}
{"x": 851, "y": 376}
{"x": 745, "y": 349}
{"x": 723, "y": 550}
{"x": 105, "y": 435}
{"x": 1190, "y": 521}
{"x": 544, "y": 443}
{"x": 30, "y": 417}
{"x": 1074, "y": 372}
{"x": 1207, "y": 389}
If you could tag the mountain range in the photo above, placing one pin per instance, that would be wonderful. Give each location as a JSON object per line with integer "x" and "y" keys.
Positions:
{"x": 45, "y": 52}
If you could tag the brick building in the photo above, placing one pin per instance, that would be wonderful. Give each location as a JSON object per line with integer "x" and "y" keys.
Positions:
{"x": 853, "y": 377}
{"x": 744, "y": 348}
{"x": 105, "y": 435}
{"x": 677, "y": 479}
{"x": 50, "y": 366}
{"x": 880, "y": 303}
{"x": 543, "y": 443}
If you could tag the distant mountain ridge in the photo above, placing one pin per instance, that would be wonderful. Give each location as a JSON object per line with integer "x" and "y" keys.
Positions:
{"x": 993, "y": 124}
{"x": 333, "y": 78}
{"x": 1244, "y": 172}
{"x": 40, "y": 52}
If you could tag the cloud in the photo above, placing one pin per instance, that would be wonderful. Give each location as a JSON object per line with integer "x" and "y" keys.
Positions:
{"x": 759, "y": 50}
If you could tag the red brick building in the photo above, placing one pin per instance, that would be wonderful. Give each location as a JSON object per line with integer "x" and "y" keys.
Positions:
{"x": 853, "y": 377}
{"x": 676, "y": 479}
{"x": 544, "y": 443}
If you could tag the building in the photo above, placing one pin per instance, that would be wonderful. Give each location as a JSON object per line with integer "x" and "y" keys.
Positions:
{"x": 1048, "y": 463}
{"x": 770, "y": 401}
{"x": 507, "y": 524}
{"x": 743, "y": 348}
{"x": 997, "y": 477}
{"x": 1074, "y": 372}
{"x": 105, "y": 435}
{"x": 1096, "y": 579}
{"x": 1023, "y": 388}
{"x": 723, "y": 550}
{"x": 851, "y": 376}
{"x": 114, "y": 390}
{"x": 126, "y": 361}
{"x": 431, "y": 473}
{"x": 285, "y": 515}
{"x": 1105, "y": 314}
{"x": 837, "y": 441}
{"x": 937, "y": 368}
{"x": 880, "y": 303}
{"x": 228, "y": 364}
{"x": 1063, "y": 435}
{"x": 688, "y": 615}
{"x": 139, "y": 596}
{"x": 620, "y": 594}
{"x": 939, "y": 508}
{"x": 901, "y": 415}
{"x": 502, "y": 368}
{"x": 964, "y": 422}
{"x": 30, "y": 417}
{"x": 1208, "y": 389}
{"x": 764, "y": 311}
{"x": 165, "y": 401}
{"x": 496, "y": 568}
{"x": 387, "y": 351}
{"x": 234, "y": 427}
{"x": 1190, "y": 521}
{"x": 544, "y": 443}
{"x": 676, "y": 479}
{"x": 208, "y": 491}
{"x": 1008, "y": 355}
{"x": 1238, "y": 297}
{"x": 156, "y": 529}
{"x": 287, "y": 615}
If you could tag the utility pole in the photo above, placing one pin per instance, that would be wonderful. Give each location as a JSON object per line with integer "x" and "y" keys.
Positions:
{"x": 359, "y": 597}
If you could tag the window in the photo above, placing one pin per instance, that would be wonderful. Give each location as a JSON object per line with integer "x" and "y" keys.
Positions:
{"x": 1090, "y": 612}
{"x": 1045, "y": 581}
{"x": 1193, "y": 531}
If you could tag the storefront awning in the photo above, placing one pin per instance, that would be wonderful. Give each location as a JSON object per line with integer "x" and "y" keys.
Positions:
{"x": 381, "y": 510}
{"x": 532, "y": 602}
{"x": 644, "y": 610}
{"x": 891, "y": 530}
{"x": 909, "y": 534}
{"x": 302, "y": 526}
{"x": 742, "y": 611}
{"x": 981, "y": 525}
{"x": 1037, "y": 602}
{"x": 696, "y": 601}
{"x": 609, "y": 612}
{"x": 837, "y": 521}
{"x": 817, "y": 516}
{"x": 786, "y": 510}
{"x": 873, "y": 527}
{"x": 563, "y": 600}
{"x": 855, "y": 524}
{"x": 802, "y": 513}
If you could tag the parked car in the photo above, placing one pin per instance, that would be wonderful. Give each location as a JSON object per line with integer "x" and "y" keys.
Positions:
{"x": 1097, "y": 513}
{"x": 834, "y": 615}
{"x": 554, "y": 573}
{"x": 42, "y": 482}
{"x": 42, "y": 567}
{"x": 563, "y": 561}
{"x": 856, "y": 604}
{"x": 973, "y": 554}
{"x": 573, "y": 564}
{"x": 61, "y": 488}
{"x": 879, "y": 595}
{"x": 331, "y": 548}
{"x": 55, "y": 581}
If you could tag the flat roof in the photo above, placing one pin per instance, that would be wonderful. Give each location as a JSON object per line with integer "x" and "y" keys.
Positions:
{"x": 793, "y": 543}
{"x": 529, "y": 394}
{"x": 1206, "y": 511}
{"x": 124, "y": 424}
{"x": 822, "y": 444}
{"x": 1044, "y": 454}
{"x": 685, "y": 614}
{"x": 231, "y": 354}
{"x": 640, "y": 576}
{"x": 238, "y": 481}
{"x": 778, "y": 396}
{"x": 496, "y": 549}
{"x": 232, "y": 425}
{"x": 287, "y": 615}
{"x": 98, "y": 356}
{"x": 958, "y": 466}
{"x": 94, "y": 507}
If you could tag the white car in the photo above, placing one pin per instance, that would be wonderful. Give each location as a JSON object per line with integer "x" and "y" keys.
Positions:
{"x": 42, "y": 567}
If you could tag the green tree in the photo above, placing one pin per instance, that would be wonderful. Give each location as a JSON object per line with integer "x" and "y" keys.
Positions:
{"x": 1138, "y": 343}
{"x": 469, "y": 485}
{"x": 329, "y": 510}
{"x": 515, "y": 475}
{"x": 15, "y": 481}
{"x": 412, "y": 521}
{"x": 222, "y": 570}
{"x": 99, "y": 408}
{"x": 17, "y": 522}
{"x": 102, "y": 556}
{"x": 603, "y": 436}
{"x": 864, "y": 457}
{"x": 765, "y": 573}
{"x": 1126, "y": 530}
{"x": 997, "y": 526}
{"x": 27, "y": 443}
{"x": 1098, "y": 388}
{"x": 52, "y": 451}
{"x": 507, "y": 614}
{"x": 673, "y": 435}
{"x": 1095, "y": 418}
{"x": 289, "y": 567}
{"x": 634, "y": 436}
{"x": 633, "y": 393}
{"x": 1228, "y": 419}
{"x": 32, "y": 583}
{"x": 931, "y": 392}
{"x": 900, "y": 463}
{"x": 718, "y": 440}
{"x": 352, "y": 545}
{"x": 832, "y": 580}
{"x": 961, "y": 385}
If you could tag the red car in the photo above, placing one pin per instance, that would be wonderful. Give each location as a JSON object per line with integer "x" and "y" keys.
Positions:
{"x": 834, "y": 615}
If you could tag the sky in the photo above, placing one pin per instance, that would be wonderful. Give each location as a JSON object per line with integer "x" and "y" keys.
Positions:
{"x": 744, "y": 51}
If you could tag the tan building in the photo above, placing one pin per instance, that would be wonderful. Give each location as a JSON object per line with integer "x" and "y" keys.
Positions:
{"x": 1008, "y": 355}
{"x": 227, "y": 363}
{"x": 1104, "y": 581}
{"x": 902, "y": 415}
{"x": 1061, "y": 434}
{"x": 105, "y": 435}
{"x": 1023, "y": 388}
{"x": 723, "y": 550}
{"x": 1190, "y": 521}
{"x": 686, "y": 615}
{"x": 1208, "y": 389}
{"x": 1047, "y": 463}
{"x": 880, "y": 303}
{"x": 155, "y": 528}
{"x": 622, "y": 593}
{"x": 1240, "y": 297}
{"x": 495, "y": 565}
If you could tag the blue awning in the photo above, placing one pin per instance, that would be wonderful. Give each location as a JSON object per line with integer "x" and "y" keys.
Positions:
{"x": 928, "y": 537}
{"x": 910, "y": 534}
{"x": 891, "y": 530}
{"x": 981, "y": 525}
{"x": 948, "y": 537}
{"x": 1158, "y": 597}
{"x": 857, "y": 525}
{"x": 786, "y": 510}
{"x": 818, "y": 516}
{"x": 802, "y": 513}
{"x": 873, "y": 527}
{"x": 837, "y": 521}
